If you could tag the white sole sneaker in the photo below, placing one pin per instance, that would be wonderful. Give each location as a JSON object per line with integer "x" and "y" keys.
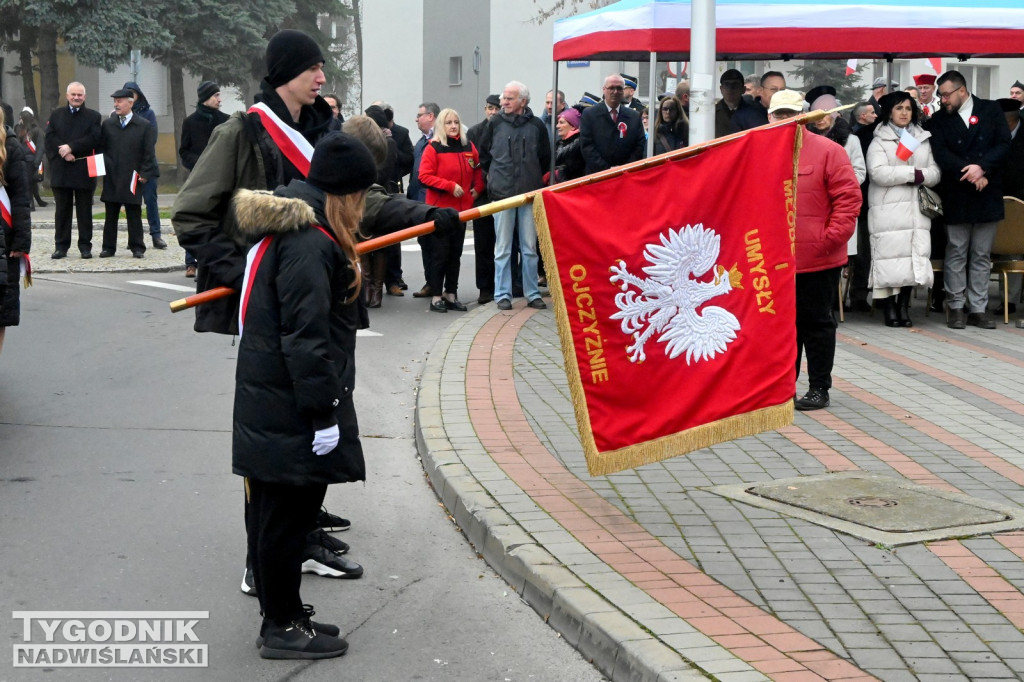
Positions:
{"x": 314, "y": 566}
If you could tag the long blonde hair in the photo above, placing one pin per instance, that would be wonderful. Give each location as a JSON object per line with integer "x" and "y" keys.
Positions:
{"x": 344, "y": 212}
{"x": 3, "y": 146}
{"x": 439, "y": 133}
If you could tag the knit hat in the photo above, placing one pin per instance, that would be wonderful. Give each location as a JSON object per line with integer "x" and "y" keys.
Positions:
{"x": 341, "y": 164}
{"x": 924, "y": 79}
{"x": 571, "y": 116}
{"x": 206, "y": 90}
{"x": 378, "y": 115}
{"x": 289, "y": 53}
{"x": 731, "y": 76}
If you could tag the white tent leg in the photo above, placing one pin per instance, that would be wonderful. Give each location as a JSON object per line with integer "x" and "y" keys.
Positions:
{"x": 702, "y": 67}
{"x": 652, "y": 104}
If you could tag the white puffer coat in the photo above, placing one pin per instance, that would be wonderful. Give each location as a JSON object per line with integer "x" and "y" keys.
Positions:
{"x": 900, "y": 233}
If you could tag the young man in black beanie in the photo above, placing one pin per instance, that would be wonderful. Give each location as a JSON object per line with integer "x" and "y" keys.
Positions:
{"x": 266, "y": 147}
{"x": 195, "y": 135}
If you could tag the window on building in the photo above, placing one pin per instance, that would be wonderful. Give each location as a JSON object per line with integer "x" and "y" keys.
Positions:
{"x": 979, "y": 79}
{"x": 455, "y": 71}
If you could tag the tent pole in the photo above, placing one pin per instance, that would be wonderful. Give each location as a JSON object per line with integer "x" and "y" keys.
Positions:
{"x": 888, "y": 74}
{"x": 702, "y": 67}
{"x": 553, "y": 122}
{"x": 652, "y": 104}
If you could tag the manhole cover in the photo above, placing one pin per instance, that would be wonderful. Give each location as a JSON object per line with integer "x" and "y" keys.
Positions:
{"x": 878, "y": 508}
{"x": 881, "y": 503}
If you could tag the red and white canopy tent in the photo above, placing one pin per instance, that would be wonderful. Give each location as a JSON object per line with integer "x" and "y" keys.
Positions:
{"x": 635, "y": 30}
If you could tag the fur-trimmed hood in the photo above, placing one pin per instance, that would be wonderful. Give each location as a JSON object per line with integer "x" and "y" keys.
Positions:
{"x": 261, "y": 213}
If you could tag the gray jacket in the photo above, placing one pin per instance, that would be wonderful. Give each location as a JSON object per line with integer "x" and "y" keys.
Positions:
{"x": 514, "y": 153}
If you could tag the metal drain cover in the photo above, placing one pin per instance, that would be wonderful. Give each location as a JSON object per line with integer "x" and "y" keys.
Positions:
{"x": 878, "y": 508}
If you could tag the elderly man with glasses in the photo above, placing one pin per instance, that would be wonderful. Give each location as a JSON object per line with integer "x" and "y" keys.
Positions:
{"x": 611, "y": 134}
{"x": 970, "y": 139}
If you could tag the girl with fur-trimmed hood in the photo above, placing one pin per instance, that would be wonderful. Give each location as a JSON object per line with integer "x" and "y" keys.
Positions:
{"x": 295, "y": 427}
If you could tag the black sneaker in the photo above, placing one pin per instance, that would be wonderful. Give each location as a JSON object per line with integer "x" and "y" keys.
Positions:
{"x": 159, "y": 243}
{"x": 331, "y": 523}
{"x": 323, "y": 628}
{"x": 319, "y": 559}
{"x": 299, "y": 639}
{"x": 248, "y": 583}
{"x": 814, "y": 399}
{"x": 318, "y": 536}
{"x": 537, "y": 304}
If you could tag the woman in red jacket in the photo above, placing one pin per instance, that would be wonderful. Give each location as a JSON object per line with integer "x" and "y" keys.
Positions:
{"x": 450, "y": 170}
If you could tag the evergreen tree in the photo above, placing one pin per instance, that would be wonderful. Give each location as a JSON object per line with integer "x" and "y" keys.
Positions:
{"x": 814, "y": 72}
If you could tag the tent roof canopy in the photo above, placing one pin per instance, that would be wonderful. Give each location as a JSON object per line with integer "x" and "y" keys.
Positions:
{"x": 798, "y": 29}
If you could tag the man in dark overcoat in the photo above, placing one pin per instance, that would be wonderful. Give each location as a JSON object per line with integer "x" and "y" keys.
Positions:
{"x": 128, "y": 142}
{"x": 611, "y": 134}
{"x": 72, "y": 133}
{"x": 970, "y": 139}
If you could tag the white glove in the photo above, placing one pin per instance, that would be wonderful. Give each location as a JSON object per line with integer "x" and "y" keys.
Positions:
{"x": 325, "y": 440}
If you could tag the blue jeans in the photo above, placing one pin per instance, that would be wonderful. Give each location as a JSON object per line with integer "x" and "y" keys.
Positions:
{"x": 504, "y": 225}
{"x": 152, "y": 208}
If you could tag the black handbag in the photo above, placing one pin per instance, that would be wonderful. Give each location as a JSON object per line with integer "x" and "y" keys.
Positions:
{"x": 929, "y": 202}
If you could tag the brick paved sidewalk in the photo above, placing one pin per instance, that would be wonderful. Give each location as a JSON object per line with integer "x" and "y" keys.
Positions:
{"x": 655, "y": 577}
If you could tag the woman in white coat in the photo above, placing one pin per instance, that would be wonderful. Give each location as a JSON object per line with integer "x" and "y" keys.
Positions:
{"x": 900, "y": 239}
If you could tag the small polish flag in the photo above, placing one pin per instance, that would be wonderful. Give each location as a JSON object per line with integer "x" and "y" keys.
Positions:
{"x": 907, "y": 146}
{"x": 851, "y": 67}
{"x": 96, "y": 166}
{"x": 936, "y": 64}
{"x": 135, "y": 181}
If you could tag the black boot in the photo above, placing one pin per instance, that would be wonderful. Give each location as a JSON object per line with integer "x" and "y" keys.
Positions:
{"x": 299, "y": 639}
{"x": 891, "y": 316}
{"x": 903, "y": 307}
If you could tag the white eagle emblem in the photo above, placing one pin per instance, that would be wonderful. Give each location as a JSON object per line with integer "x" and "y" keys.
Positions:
{"x": 668, "y": 299}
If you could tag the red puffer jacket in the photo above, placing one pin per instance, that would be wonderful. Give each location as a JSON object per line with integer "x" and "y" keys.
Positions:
{"x": 828, "y": 202}
{"x": 442, "y": 167}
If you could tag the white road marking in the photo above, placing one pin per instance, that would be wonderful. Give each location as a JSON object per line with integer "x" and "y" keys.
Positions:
{"x": 367, "y": 332}
{"x": 413, "y": 245}
{"x": 163, "y": 285}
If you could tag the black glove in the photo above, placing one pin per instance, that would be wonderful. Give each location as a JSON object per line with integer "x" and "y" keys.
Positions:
{"x": 446, "y": 220}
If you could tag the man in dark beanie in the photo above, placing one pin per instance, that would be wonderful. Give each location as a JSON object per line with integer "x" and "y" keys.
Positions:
{"x": 195, "y": 135}
{"x": 269, "y": 145}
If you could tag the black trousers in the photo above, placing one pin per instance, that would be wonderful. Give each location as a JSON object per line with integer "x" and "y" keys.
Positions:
{"x": 133, "y": 212}
{"x": 393, "y": 270}
{"x": 64, "y": 200}
{"x": 277, "y": 519}
{"x": 446, "y": 260}
{"x": 483, "y": 249}
{"x": 426, "y": 243}
{"x": 816, "y": 325}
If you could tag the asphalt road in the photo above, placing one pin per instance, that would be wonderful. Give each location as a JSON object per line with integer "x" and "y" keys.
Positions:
{"x": 116, "y": 493}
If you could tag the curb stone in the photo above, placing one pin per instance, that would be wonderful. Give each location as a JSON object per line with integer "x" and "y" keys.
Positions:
{"x": 613, "y": 642}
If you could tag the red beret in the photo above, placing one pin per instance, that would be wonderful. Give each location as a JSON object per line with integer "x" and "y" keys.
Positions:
{"x": 924, "y": 79}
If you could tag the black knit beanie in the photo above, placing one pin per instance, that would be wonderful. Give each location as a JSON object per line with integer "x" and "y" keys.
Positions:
{"x": 206, "y": 90}
{"x": 378, "y": 115}
{"x": 289, "y": 53}
{"x": 341, "y": 164}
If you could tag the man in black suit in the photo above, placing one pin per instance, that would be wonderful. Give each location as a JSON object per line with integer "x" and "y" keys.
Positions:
{"x": 425, "y": 118}
{"x": 72, "y": 133}
{"x": 611, "y": 134}
{"x": 970, "y": 139}
{"x": 128, "y": 150}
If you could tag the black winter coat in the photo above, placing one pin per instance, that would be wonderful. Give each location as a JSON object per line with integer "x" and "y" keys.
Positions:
{"x": 196, "y": 131}
{"x": 955, "y": 145}
{"x": 296, "y": 357}
{"x": 19, "y": 237}
{"x": 125, "y": 151}
{"x": 82, "y": 132}
{"x": 569, "y": 163}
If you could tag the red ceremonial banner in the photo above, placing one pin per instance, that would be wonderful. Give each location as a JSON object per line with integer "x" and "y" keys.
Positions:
{"x": 675, "y": 299}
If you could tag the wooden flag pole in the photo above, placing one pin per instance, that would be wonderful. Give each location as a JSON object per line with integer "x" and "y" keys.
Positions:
{"x": 521, "y": 199}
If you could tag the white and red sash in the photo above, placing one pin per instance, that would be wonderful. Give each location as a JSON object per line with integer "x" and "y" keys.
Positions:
{"x": 252, "y": 264}
{"x": 5, "y": 208}
{"x": 290, "y": 141}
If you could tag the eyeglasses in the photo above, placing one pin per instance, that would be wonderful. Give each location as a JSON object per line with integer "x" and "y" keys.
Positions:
{"x": 613, "y": 87}
{"x": 947, "y": 95}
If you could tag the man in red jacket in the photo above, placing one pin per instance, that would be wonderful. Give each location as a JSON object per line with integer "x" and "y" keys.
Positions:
{"x": 828, "y": 202}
